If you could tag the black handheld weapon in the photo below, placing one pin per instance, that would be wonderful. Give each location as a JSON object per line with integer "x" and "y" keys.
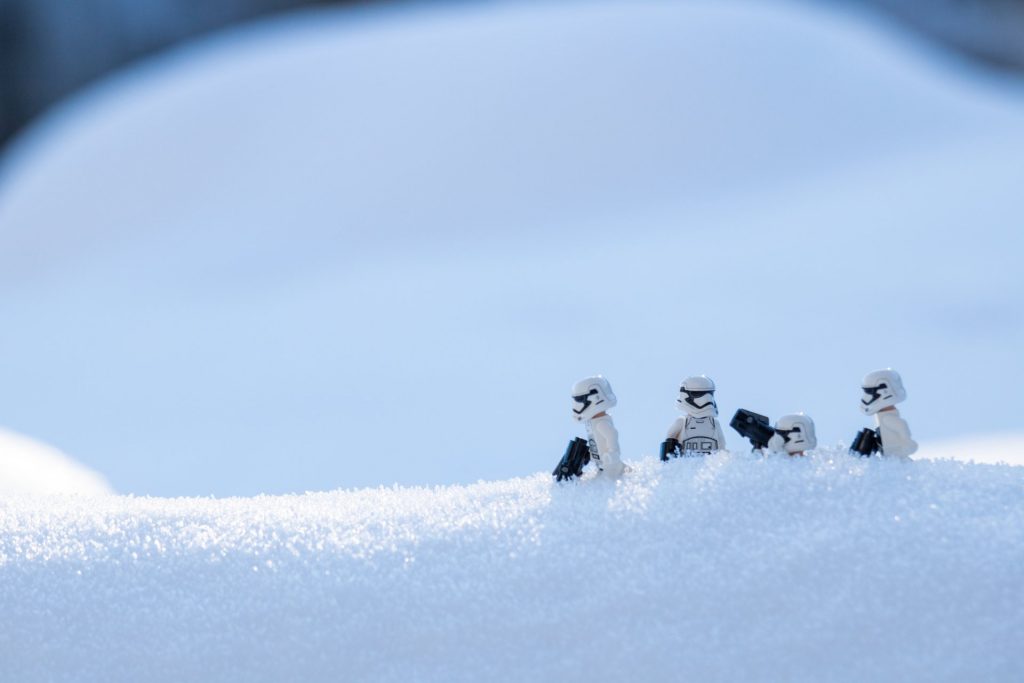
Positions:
{"x": 669, "y": 449}
{"x": 576, "y": 457}
{"x": 866, "y": 443}
{"x": 750, "y": 425}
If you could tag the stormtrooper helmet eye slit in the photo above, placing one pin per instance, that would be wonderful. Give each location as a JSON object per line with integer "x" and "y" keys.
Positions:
{"x": 787, "y": 434}
{"x": 585, "y": 400}
{"x": 874, "y": 392}
{"x": 692, "y": 396}
{"x": 797, "y": 432}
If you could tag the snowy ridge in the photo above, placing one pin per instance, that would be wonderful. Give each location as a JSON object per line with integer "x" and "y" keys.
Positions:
{"x": 30, "y": 467}
{"x": 733, "y": 567}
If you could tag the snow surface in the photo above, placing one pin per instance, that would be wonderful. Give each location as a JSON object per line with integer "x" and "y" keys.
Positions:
{"x": 229, "y": 270}
{"x": 730, "y": 568}
{"x": 361, "y": 248}
{"x": 30, "y": 467}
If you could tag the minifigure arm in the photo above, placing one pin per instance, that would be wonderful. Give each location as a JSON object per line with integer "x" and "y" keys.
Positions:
{"x": 676, "y": 429}
{"x": 895, "y": 433}
{"x": 719, "y": 435}
{"x": 607, "y": 438}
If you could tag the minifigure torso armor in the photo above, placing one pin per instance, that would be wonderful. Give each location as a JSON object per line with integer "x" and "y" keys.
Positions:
{"x": 700, "y": 435}
{"x": 697, "y": 435}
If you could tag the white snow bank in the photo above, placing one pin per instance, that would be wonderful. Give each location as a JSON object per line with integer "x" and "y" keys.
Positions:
{"x": 730, "y": 568}
{"x": 30, "y": 467}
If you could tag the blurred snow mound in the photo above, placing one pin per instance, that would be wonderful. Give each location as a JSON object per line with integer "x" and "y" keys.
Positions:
{"x": 727, "y": 568}
{"x": 30, "y": 467}
{"x": 259, "y": 238}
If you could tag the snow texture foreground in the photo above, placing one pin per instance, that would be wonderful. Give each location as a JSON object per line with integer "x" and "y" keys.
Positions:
{"x": 733, "y": 567}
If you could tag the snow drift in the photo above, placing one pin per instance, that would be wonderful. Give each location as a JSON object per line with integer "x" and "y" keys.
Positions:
{"x": 28, "y": 466}
{"x": 728, "y": 568}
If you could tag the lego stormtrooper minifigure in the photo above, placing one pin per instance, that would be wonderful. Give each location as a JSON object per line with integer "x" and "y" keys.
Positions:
{"x": 591, "y": 398}
{"x": 794, "y": 434}
{"x": 698, "y": 432}
{"x": 883, "y": 389}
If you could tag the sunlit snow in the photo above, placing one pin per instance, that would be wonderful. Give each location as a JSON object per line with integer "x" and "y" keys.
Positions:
{"x": 726, "y": 568}
{"x": 30, "y": 467}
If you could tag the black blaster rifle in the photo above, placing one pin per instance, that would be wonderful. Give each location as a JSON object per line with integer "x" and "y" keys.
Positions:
{"x": 866, "y": 443}
{"x": 576, "y": 457}
{"x": 750, "y": 425}
{"x": 670, "y": 448}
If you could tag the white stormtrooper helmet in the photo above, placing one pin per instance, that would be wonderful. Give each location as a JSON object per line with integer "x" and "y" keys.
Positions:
{"x": 591, "y": 396}
{"x": 797, "y": 432}
{"x": 882, "y": 389}
{"x": 697, "y": 397}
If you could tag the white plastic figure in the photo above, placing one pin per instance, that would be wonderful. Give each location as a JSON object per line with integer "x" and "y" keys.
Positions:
{"x": 794, "y": 434}
{"x": 591, "y": 399}
{"x": 883, "y": 389}
{"x": 698, "y": 432}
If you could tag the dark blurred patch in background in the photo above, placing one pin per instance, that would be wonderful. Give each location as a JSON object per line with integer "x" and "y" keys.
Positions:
{"x": 989, "y": 31}
{"x": 51, "y": 48}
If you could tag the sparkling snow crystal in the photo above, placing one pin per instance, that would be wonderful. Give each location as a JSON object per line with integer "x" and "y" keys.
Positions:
{"x": 731, "y": 567}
